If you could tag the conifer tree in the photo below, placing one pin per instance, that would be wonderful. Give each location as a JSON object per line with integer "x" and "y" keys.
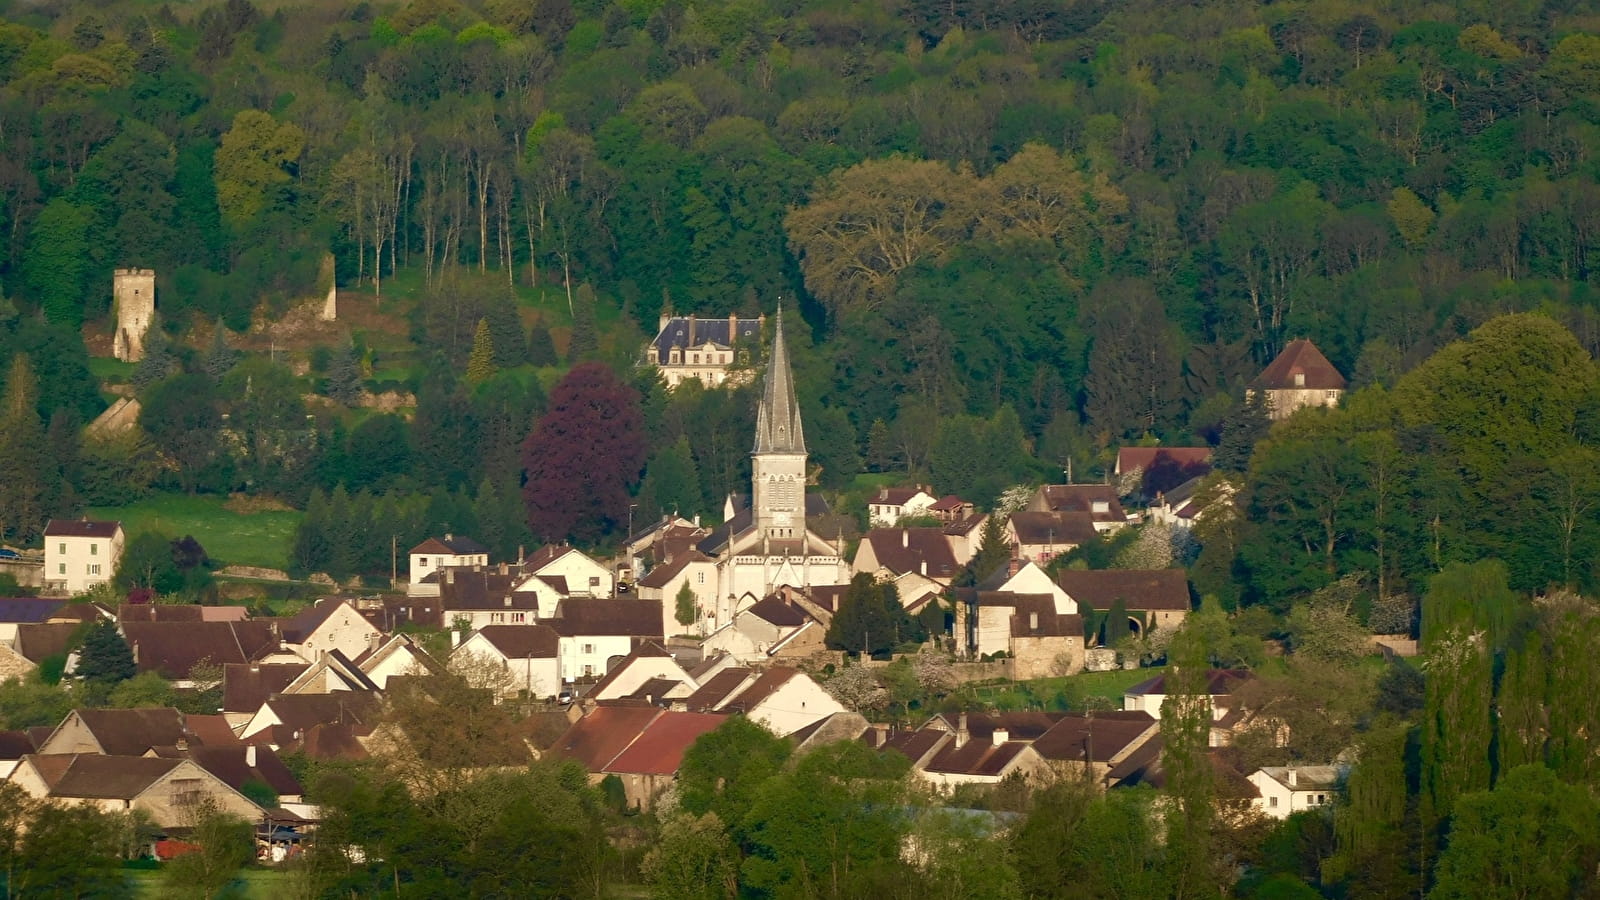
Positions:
{"x": 505, "y": 333}
{"x": 480, "y": 364}
{"x": 585, "y": 330}
{"x": 541, "y": 349}
{"x": 685, "y": 611}
{"x": 881, "y": 452}
{"x": 158, "y": 361}
{"x": 344, "y": 375}
{"x": 105, "y": 657}
{"x": 1248, "y": 423}
{"x": 22, "y": 460}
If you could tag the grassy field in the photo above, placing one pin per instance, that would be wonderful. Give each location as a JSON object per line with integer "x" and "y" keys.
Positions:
{"x": 252, "y": 884}
{"x": 230, "y": 537}
{"x": 1073, "y": 692}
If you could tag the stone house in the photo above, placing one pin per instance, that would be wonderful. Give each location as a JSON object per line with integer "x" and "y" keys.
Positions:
{"x": 529, "y": 655}
{"x": 176, "y": 649}
{"x": 395, "y": 656}
{"x": 1099, "y": 501}
{"x": 16, "y": 611}
{"x": 1042, "y": 536}
{"x": 779, "y": 624}
{"x": 329, "y": 624}
{"x": 118, "y": 732}
{"x": 640, "y": 744}
{"x": 714, "y": 351}
{"x": 167, "y": 790}
{"x": 650, "y": 665}
{"x": 435, "y": 554}
{"x": 663, "y": 583}
{"x": 1154, "y": 598}
{"x": 80, "y": 554}
{"x": 1299, "y": 377}
{"x": 32, "y": 645}
{"x": 1103, "y": 743}
{"x": 889, "y": 505}
{"x": 896, "y": 551}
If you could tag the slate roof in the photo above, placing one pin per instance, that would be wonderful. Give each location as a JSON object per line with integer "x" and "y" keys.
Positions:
{"x": 675, "y": 333}
{"x": 1101, "y": 737}
{"x": 450, "y": 544}
{"x": 903, "y": 550}
{"x": 174, "y": 648}
{"x": 28, "y": 609}
{"x": 1300, "y": 357}
{"x": 1063, "y": 528}
{"x": 1023, "y": 726}
{"x": 462, "y": 588}
{"x": 1139, "y": 589}
{"x": 659, "y": 749}
{"x": 81, "y": 528}
{"x": 778, "y": 427}
{"x": 585, "y": 616}
{"x": 523, "y": 641}
{"x": 718, "y": 689}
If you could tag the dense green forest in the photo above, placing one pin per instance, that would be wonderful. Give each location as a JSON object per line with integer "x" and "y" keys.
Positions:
{"x": 1020, "y": 235}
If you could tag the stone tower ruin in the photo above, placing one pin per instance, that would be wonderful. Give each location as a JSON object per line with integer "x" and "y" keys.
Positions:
{"x": 135, "y": 296}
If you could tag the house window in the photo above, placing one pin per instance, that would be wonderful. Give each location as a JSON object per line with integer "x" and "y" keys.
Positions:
{"x": 1272, "y": 802}
{"x": 94, "y": 549}
{"x": 422, "y": 562}
{"x": 186, "y": 791}
{"x": 588, "y": 648}
{"x": 519, "y": 617}
{"x": 594, "y": 581}
{"x": 497, "y": 617}
{"x": 1299, "y": 379}
{"x": 63, "y": 549}
{"x": 1333, "y": 396}
{"x": 1321, "y": 799}
{"x": 94, "y": 569}
{"x": 61, "y": 569}
{"x": 702, "y": 577}
{"x": 588, "y": 671}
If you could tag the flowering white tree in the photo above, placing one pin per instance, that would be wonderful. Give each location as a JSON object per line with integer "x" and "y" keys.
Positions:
{"x": 857, "y": 688}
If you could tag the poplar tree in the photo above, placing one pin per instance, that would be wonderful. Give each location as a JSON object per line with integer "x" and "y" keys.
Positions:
{"x": 22, "y": 456}
{"x": 1369, "y": 822}
{"x": 1191, "y": 792}
{"x": 585, "y": 330}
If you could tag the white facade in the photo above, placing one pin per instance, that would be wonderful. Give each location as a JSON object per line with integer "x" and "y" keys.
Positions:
{"x": 433, "y": 555}
{"x": 344, "y": 630}
{"x": 1030, "y": 579}
{"x": 797, "y": 703}
{"x": 539, "y": 676}
{"x": 1286, "y": 790}
{"x": 586, "y": 656}
{"x": 639, "y": 669}
{"x": 701, "y": 577}
{"x": 886, "y": 514}
{"x": 76, "y": 563}
{"x": 584, "y": 576}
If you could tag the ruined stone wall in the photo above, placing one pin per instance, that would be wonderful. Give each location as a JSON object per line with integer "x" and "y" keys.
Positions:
{"x": 135, "y": 294}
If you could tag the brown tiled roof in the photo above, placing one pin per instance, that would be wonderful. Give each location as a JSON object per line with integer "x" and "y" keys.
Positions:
{"x": 1130, "y": 458}
{"x": 1300, "y": 357}
{"x": 105, "y": 777}
{"x": 947, "y": 502}
{"x": 778, "y": 611}
{"x": 913, "y": 745}
{"x": 1023, "y": 725}
{"x": 15, "y": 744}
{"x": 1102, "y": 736}
{"x": 903, "y": 550}
{"x": 715, "y": 692}
{"x": 28, "y": 609}
{"x": 660, "y": 747}
{"x": 654, "y": 690}
{"x": 174, "y": 648}
{"x": 132, "y": 732}
{"x": 1219, "y": 682}
{"x": 229, "y": 765}
{"x": 159, "y": 612}
{"x": 645, "y": 648}
{"x": 1063, "y": 528}
{"x": 895, "y": 496}
{"x": 245, "y": 686}
{"x": 1036, "y": 617}
{"x": 464, "y": 589}
{"x": 586, "y": 616}
{"x": 211, "y": 730}
{"x": 81, "y": 528}
{"x": 660, "y": 575}
{"x": 36, "y": 642}
{"x": 765, "y": 685}
{"x": 451, "y": 544}
{"x": 967, "y": 525}
{"x": 1139, "y": 589}
{"x": 544, "y": 556}
{"x": 522, "y": 641}
{"x": 984, "y": 758}
{"x": 827, "y": 596}
{"x": 606, "y": 731}
{"x": 301, "y": 711}
{"x": 330, "y": 741}
{"x": 1081, "y": 498}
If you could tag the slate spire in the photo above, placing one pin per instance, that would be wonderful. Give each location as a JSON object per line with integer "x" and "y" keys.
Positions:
{"x": 778, "y": 418}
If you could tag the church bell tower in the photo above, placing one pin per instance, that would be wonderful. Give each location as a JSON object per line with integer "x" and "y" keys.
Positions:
{"x": 778, "y": 476}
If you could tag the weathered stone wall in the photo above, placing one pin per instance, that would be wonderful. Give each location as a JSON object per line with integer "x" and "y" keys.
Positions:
{"x": 134, "y": 291}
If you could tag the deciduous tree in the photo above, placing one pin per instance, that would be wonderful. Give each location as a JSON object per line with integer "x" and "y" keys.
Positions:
{"x": 583, "y": 456}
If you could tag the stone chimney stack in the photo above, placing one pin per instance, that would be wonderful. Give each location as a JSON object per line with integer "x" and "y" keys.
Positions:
{"x": 961, "y": 731}
{"x": 905, "y": 537}
{"x": 1294, "y": 777}
{"x": 250, "y": 755}
{"x": 691, "y": 330}
{"x": 1001, "y": 735}
{"x": 733, "y": 328}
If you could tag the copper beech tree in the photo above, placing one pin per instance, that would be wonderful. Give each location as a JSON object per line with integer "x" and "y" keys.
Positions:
{"x": 583, "y": 457}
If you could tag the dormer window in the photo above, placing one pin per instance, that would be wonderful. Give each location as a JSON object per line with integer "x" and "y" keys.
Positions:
{"x": 1299, "y": 379}
{"x": 1101, "y": 506}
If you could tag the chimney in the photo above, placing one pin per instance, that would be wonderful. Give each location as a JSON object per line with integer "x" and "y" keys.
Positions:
{"x": 504, "y": 570}
{"x": 450, "y": 576}
{"x": 1001, "y": 735}
{"x": 455, "y": 639}
{"x": 924, "y": 566}
{"x": 697, "y": 520}
{"x": 250, "y": 755}
{"x": 733, "y": 328}
{"x": 1013, "y": 566}
{"x": 182, "y": 746}
{"x": 1294, "y": 777}
{"x": 691, "y": 329}
{"x": 519, "y": 554}
{"x": 880, "y": 736}
{"x": 661, "y": 324}
{"x": 905, "y": 537}
{"x": 508, "y": 601}
{"x": 448, "y": 537}
{"x": 374, "y": 639}
{"x": 961, "y": 731}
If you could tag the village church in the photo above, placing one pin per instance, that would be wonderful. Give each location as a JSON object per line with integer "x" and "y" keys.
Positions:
{"x": 766, "y": 544}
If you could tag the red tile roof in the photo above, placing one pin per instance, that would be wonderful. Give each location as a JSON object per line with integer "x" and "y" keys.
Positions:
{"x": 1219, "y": 682}
{"x": 1130, "y": 458}
{"x": 1101, "y": 737}
{"x": 975, "y": 757}
{"x": 132, "y": 732}
{"x": 922, "y": 550}
{"x": 1064, "y": 529}
{"x": 174, "y": 648}
{"x": 659, "y": 749}
{"x": 450, "y": 544}
{"x": 1300, "y": 357}
{"x": 597, "y": 738}
{"x": 102, "y": 777}
{"x": 662, "y": 574}
{"x": 245, "y": 686}
{"x": 585, "y": 617}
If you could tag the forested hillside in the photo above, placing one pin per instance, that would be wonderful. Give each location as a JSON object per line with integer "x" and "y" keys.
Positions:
{"x": 1021, "y": 233}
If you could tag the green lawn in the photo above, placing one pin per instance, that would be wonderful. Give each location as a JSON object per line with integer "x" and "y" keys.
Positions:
{"x": 1073, "y": 692}
{"x": 252, "y": 884}
{"x": 230, "y": 538}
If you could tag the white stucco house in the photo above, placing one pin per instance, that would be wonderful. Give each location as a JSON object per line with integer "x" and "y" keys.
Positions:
{"x": 528, "y": 654}
{"x": 1286, "y": 790}
{"x": 434, "y": 554}
{"x": 890, "y": 504}
{"x": 80, "y": 554}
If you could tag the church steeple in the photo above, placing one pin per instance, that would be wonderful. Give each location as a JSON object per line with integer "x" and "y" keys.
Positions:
{"x": 778, "y": 427}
